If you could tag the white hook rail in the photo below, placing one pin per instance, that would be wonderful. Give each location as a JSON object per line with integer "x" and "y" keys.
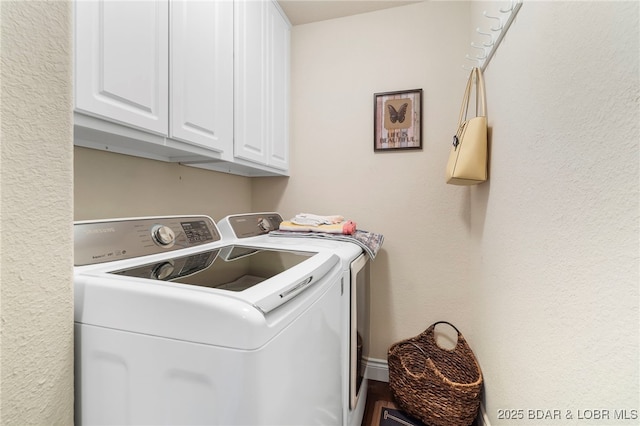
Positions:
{"x": 498, "y": 27}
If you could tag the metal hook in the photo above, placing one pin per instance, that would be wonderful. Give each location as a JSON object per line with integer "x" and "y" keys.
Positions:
{"x": 476, "y": 59}
{"x": 511, "y": 4}
{"x": 484, "y": 51}
{"x": 491, "y": 40}
{"x": 496, "y": 18}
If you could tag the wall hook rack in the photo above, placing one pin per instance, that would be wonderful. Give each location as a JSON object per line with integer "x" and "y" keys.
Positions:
{"x": 504, "y": 20}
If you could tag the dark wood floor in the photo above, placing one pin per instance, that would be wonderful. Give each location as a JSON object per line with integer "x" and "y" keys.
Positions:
{"x": 377, "y": 391}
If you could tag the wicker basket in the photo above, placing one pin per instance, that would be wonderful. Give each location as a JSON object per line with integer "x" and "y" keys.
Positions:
{"x": 439, "y": 386}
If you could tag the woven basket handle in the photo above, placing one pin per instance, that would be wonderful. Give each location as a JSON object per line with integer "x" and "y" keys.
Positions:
{"x": 448, "y": 323}
{"x": 419, "y": 348}
{"x": 433, "y": 329}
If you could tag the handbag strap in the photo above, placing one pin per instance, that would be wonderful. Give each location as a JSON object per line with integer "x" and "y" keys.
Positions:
{"x": 480, "y": 96}
{"x": 465, "y": 99}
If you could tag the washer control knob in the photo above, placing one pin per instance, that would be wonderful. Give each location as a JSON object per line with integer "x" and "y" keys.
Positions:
{"x": 163, "y": 235}
{"x": 163, "y": 271}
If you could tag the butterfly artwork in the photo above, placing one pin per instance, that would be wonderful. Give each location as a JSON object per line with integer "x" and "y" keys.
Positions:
{"x": 398, "y": 116}
{"x": 398, "y": 120}
{"x": 398, "y": 112}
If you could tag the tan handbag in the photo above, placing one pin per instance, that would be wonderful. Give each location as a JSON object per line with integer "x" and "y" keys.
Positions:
{"x": 468, "y": 158}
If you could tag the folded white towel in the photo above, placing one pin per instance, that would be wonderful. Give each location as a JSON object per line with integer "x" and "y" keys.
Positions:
{"x": 315, "y": 220}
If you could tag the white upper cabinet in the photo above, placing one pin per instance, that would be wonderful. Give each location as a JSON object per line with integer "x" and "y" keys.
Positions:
{"x": 261, "y": 83}
{"x": 121, "y": 62}
{"x": 202, "y": 82}
{"x": 201, "y": 73}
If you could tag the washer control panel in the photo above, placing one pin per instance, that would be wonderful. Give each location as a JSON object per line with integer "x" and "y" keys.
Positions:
{"x": 249, "y": 225}
{"x": 117, "y": 239}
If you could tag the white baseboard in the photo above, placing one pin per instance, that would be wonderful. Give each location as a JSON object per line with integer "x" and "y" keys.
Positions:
{"x": 378, "y": 369}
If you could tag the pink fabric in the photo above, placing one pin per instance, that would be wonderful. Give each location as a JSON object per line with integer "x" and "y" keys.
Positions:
{"x": 348, "y": 227}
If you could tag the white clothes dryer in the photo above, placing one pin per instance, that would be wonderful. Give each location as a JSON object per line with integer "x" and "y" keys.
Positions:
{"x": 254, "y": 229}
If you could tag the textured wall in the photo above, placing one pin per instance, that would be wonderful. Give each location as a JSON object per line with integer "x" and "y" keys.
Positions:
{"x": 556, "y": 277}
{"x": 36, "y": 382}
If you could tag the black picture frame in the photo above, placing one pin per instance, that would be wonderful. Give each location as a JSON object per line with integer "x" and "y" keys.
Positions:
{"x": 397, "y": 120}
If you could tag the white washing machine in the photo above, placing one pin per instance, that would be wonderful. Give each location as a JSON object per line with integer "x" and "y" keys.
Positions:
{"x": 254, "y": 229}
{"x": 177, "y": 325}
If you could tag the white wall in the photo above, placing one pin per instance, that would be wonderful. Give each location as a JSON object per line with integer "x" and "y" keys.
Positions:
{"x": 556, "y": 277}
{"x": 36, "y": 350}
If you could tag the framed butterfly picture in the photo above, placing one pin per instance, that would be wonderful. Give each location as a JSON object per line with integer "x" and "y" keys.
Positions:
{"x": 397, "y": 120}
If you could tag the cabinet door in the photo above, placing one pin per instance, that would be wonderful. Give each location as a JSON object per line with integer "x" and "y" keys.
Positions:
{"x": 121, "y": 57}
{"x": 279, "y": 90}
{"x": 261, "y": 83}
{"x": 202, "y": 73}
{"x": 250, "y": 80}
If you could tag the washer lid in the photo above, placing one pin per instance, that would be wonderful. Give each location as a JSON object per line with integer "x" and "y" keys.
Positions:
{"x": 264, "y": 277}
{"x": 106, "y": 297}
